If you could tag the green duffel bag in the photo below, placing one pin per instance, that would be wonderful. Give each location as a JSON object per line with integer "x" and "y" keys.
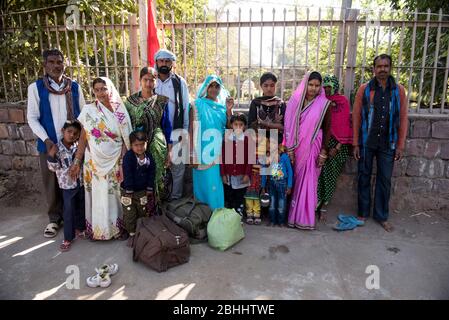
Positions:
{"x": 190, "y": 215}
{"x": 224, "y": 229}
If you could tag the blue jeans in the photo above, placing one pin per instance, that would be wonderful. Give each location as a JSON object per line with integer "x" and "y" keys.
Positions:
{"x": 73, "y": 212}
{"x": 385, "y": 163}
{"x": 278, "y": 201}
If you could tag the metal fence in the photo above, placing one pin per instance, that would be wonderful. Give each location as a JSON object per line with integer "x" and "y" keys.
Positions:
{"x": 240, "y": 45}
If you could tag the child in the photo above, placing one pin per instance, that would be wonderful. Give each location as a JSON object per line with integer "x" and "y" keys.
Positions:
{"x": 235, "y": 172}
{"x": 60, "y": 158}
{"x": 138, "y": 182}
{"x": 281, "y": 182}
{"x": 252, "y": 196}
{"x": 267, "y": 112}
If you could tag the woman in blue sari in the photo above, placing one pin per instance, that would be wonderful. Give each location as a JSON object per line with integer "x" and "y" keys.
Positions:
{"x": 211, "y": 111}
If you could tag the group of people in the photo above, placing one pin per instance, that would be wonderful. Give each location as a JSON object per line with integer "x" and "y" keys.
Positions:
{"x": 107, "y": 163}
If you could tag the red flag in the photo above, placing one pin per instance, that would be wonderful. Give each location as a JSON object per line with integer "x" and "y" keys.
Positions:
{"x": 153, "y": 42}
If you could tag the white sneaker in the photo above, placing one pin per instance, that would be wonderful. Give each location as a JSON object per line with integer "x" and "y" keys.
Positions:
{"x": 101, "y": 279}
{"x": 111, "y": 269}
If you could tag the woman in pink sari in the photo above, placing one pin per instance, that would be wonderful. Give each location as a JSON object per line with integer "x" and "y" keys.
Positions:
{"x": 307, "y": 133}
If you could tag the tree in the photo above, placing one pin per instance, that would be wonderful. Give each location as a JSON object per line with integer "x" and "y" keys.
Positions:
{"x": 409, "y": 7}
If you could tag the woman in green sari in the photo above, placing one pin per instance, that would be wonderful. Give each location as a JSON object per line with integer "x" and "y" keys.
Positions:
{"x": 149, "y": 113}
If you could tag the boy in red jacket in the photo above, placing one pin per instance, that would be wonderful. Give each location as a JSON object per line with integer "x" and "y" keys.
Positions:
{"x": 236, "y": 168}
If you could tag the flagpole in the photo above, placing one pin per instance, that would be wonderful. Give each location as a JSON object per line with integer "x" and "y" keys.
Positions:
{"x": 143, "y": 29}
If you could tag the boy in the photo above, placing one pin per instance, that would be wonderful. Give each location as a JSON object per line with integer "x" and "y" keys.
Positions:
{"x": 60, "y": 158}
{"x": 280, "y": 184}
{"x": 138, "y": 182}
{"x": 235, "y": 175}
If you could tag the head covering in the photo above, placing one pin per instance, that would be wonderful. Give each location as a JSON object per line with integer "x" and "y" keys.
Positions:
{"x": 331, "y": 81}
{"x": 202, "y": 92}
{"x": 164, "y": 54}
{"x": 341, "y": 128}
{"x": 211, "y": 115}
{"x": 120, "y": 112}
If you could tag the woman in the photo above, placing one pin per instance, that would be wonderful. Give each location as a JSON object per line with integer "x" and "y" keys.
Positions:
{"x": 307, "y": 123}
{"x": 149, "y": 113}
{"x": 106, "y": 129}
{"x": 211, "y": 110}
{"x": 340, "y": 140}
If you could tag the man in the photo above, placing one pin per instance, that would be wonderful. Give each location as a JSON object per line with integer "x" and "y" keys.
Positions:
{"x": 380, "y": 127}
{"x": 174, "y": 87}
{"x": 52, "y": 100}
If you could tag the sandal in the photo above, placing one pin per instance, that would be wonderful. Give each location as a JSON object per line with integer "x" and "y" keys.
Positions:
{"x": 249, "y": 220}
{"x": 257, "y": 221}
{"x": 51, "y": 230}
{"x": 65, "y": 246}
{"x": 110, "y": 269}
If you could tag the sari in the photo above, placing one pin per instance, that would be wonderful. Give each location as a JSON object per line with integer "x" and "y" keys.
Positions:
{"x": 304, "y": 136}
{"x": 208, "y": 114}
{"x": 151, "y": 116}
{"x": 106, "y": 132}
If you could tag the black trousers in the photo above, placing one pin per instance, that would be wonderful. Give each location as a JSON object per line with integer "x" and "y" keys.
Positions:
{"x": 74, "y": 214}
{"x": 235, "y": 198}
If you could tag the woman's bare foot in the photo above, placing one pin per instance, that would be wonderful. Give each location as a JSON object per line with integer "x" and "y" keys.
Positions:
{"x": 322, "y": 216}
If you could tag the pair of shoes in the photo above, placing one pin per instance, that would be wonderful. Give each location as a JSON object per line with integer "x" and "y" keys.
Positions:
{"x": 345, "y": 218}
{"x": 347, "y": 223}
{"x": 103, "y": 276}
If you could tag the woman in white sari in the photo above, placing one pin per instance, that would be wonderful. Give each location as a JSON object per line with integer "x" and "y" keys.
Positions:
{"x": 107, "y": 126}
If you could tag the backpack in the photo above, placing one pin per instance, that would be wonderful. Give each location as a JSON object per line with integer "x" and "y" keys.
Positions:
{"x": 160, "y": 244}
{"x": 190, "y": 215}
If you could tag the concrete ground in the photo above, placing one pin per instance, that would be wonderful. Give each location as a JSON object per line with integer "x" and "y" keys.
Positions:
{"x": 270, "y": 263}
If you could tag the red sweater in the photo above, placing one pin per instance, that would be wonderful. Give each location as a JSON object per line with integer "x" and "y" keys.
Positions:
{"x": 234, "y": 169}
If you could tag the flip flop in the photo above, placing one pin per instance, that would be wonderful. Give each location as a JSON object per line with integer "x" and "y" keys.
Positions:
{"x": 344, "y": 226}
{"x": 351, "y": 219}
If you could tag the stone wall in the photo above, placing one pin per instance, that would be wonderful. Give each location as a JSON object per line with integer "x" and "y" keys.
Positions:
{"x": 420, "y": 182}
{"x": 421, "y": 179}
{"x": 17, "y": 142}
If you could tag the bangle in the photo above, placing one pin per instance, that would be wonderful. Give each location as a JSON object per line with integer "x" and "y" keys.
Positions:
{"x": 322, "y": 156}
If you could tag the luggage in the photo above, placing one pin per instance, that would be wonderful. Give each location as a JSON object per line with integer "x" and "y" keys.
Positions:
{"x": 224, "y": 229}
{"x": 160, "y": 244}
{"x": 190, "y": 215}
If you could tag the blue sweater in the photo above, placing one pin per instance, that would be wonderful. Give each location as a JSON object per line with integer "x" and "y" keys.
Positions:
{"x": 136, "y": 177}
{"x": 287, "y": 171}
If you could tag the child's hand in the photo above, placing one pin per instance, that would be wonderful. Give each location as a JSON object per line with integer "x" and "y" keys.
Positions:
{"x": 245, "y": 179}
{"x": 53, "y": 150}
{"x": 225, "y": 179}
{"x": 289, "y": 191}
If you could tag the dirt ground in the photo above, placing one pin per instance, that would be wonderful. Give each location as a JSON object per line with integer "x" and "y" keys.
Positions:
{"x": 270, "y": 263}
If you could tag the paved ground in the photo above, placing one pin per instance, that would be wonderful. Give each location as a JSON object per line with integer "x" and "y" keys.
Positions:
{"x": 270, "y": 263}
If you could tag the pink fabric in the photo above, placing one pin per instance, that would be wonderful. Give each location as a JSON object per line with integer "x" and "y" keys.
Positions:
{"x": 341, "y": 128}
{"x": 304, "y": 136}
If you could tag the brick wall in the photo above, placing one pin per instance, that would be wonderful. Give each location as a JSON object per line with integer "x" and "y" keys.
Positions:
{"x": 420, "y": 180}
{"x": 17, "y": 142}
